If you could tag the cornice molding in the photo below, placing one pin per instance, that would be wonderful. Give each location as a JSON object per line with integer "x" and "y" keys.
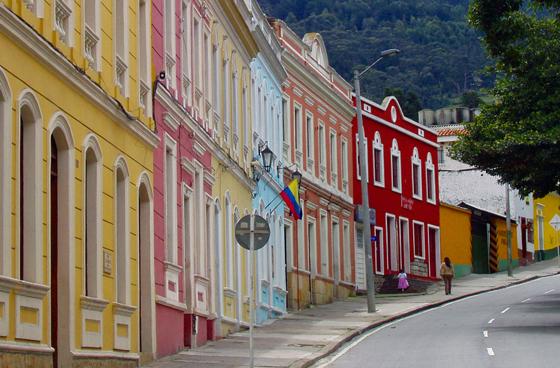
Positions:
{"x": 22, "y": 34}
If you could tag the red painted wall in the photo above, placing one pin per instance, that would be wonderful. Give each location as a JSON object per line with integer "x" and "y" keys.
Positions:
{"x": 385, "y": 200}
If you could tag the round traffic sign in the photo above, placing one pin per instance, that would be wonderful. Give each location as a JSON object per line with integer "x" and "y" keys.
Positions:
{"x": 243, "y": 232}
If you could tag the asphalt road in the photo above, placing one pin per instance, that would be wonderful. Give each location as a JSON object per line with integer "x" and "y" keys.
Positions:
{"x": 514, "y": 327}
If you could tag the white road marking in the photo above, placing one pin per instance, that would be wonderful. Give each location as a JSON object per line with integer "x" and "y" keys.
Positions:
{"x": 490, "y": 351}
{"x": 331, "y": 358}
{"x": 485, "y": 333}
{"x": 505, "y": 310}
{"x": 526, "y": 300}
{"x": 548, "y": 292}
{"x": 491, "y": 321}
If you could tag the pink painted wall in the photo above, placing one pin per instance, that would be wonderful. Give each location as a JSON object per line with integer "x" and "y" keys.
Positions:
{"x": 172, "y": 332}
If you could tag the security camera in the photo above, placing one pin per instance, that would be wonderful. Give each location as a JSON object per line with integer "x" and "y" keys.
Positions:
{"x": 161, "y": 75}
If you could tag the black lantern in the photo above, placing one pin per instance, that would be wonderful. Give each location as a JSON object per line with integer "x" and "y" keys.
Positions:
{"x": 267, "y": 158}
{"x": 297, "y": 175}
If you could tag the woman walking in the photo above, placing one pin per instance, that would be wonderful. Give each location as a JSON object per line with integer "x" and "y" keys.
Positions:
{"x": 447, "y": 274}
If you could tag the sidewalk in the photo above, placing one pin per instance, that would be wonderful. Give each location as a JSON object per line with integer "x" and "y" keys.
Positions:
{"x": 302, "y": 338}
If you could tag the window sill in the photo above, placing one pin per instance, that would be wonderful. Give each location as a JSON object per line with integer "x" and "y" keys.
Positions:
{"x": 93, "y": 304}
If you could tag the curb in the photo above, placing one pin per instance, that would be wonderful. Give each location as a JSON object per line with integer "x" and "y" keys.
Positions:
{"x": 329, "y": 349}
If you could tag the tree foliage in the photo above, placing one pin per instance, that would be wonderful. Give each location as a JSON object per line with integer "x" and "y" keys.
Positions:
{"x": 517, "y": 137}
{"x": 441, "y": 55}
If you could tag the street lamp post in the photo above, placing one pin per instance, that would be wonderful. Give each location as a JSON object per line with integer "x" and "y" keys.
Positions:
{"x": 370, "y": 282}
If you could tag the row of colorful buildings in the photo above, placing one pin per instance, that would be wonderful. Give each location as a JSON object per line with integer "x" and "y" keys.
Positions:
{"x": 132, "y": 139}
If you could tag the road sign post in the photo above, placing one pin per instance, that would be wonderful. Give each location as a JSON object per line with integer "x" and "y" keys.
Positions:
{"x": 555, "y": 223}
{"x": 252, "y": 233}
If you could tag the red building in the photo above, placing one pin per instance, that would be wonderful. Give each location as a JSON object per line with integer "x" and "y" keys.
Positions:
{"x": 403, "y": 189}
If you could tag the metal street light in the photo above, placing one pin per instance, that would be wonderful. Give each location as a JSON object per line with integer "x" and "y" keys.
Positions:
{"x": 267, "y": 158}
{"x": 365, "y": 197}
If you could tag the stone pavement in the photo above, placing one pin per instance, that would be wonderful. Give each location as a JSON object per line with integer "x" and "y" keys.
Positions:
{"x": 302, "y": 338}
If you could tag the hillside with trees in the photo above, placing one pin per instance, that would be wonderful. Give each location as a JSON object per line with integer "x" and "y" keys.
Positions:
{"x": 441, "y": 57}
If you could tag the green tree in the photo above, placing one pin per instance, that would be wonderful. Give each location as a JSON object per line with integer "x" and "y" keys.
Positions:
{"x": 517, "y": 137}
{"x": 470, "y": 99}
{"x": 410, "y": 103}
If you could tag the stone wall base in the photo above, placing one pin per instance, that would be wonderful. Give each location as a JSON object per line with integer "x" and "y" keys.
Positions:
{"x": 25, "y": 359}
{"x": 103, "y": 363}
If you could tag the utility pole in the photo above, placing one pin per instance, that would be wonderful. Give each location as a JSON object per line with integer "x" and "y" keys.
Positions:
{"x": 508, "y": 225}
{"x": 370, "y": 282}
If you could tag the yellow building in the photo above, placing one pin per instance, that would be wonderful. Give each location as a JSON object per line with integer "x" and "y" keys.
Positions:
{"x": 546, "y": 237}
{"x": 455, "y": 227}
{"x": 76, "y": 146}
{"x": 233, "y": 187}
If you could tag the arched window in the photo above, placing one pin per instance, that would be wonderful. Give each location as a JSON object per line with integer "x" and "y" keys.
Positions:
{"x": 378, "y": 161}
{"x": 30, "y": 179}
{"x": 430, "y": 180}
{"x": 92, "y": 220}
{"x": 395, "y": 167}
{"x": 229, "y": 244}
{"x": 416, "y": 175}
{"x": 122, "y": 232}
{"x": 5, "y": 174}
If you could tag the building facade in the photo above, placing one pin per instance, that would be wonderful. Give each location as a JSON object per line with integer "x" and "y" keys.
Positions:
{"x": 267, "y": 76}
{"x": 317, "y": 132}
{"x": 402, "y": 176}
{"x": 184, "y": 177}
{"x": 547, "y": 220}
{"x": 76, "y": 143}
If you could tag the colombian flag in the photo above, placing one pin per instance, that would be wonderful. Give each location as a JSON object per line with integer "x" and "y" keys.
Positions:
{"x": 290, "y": 195}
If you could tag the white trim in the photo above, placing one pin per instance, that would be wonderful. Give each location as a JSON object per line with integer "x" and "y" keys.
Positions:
{"x": 90, "y": 142}
{"x": 396, "y": 153}
{"x": 121, "y": 231}
{"x": 121, "y": 56}
{"x": 378, "y": 146}
{"x": 146, "y": 281}
{"x": 358, "y": 165}
{"x": 392, "y": 252}
{"x": 415, "y": 161}
{"x": 423, "y": 255}
{"x": 33, "y": 234}
{"x": 66, "y": 230}
{"x": 5, "y": 175}
{"x": 430, "y": 180}
{"x": 406, "y": 252}
{"x": 86, "y": 28}
{"x": 438, "y": 249}
{"x": 324, "y": 240}
{"x": 381, "y": 251}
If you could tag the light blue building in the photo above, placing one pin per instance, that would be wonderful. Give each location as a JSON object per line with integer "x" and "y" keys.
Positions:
{"x": 267, "y": 75}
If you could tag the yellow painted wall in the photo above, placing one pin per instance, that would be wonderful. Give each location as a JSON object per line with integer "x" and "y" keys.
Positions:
{"x": 455, "y": 228}
{"x": 551, "y": 207}
{"x": 25, "y": 71}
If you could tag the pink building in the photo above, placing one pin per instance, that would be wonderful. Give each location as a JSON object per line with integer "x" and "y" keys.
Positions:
{"x": 182, "y": 176}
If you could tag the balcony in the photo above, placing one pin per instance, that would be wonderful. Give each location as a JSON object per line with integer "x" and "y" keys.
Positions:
{"x": 90, "y": 46}
{"x": 120, "y": 72}
{"x": 62, "y": 20}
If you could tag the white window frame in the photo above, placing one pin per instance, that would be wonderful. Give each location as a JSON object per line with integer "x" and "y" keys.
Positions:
{"x": 378, "y": 147}
{"x": 344, "y": 149}
{"x": 288, "y": 229}
{"x": 324, "y": 238}
{"x": 121, "y": 56}
{"x": 416, "y": 164}
{"x": 322, "y": 150}
{"x": 333, "y": 150}
{"x": 93, "y": 255}
{"x": 421, "y": 256}
{"x": 298, "y": 138}
{"x": 144, "y": 85}
{"x": 396, "y": 153}
{"x": 5, "y": 175}
{"x": 92, "y": 35}
{"x": 381, "y": 252}
{"x": 347, "y": 251}
{"x": 169, "y": 44}
{"x": 430, "y": 180}
{"x": 229, "y": 257}
{"x": 122, "y": 232}
{"x": 301, "y": 242}
{"x": 170, "y": 200}
{"x": 64, "y": 8}
{"x": 310, "y": 142}
{"x": 358, "y": 166}
{"x": 286, "y": 129}
{"x": 186, "y": 52}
